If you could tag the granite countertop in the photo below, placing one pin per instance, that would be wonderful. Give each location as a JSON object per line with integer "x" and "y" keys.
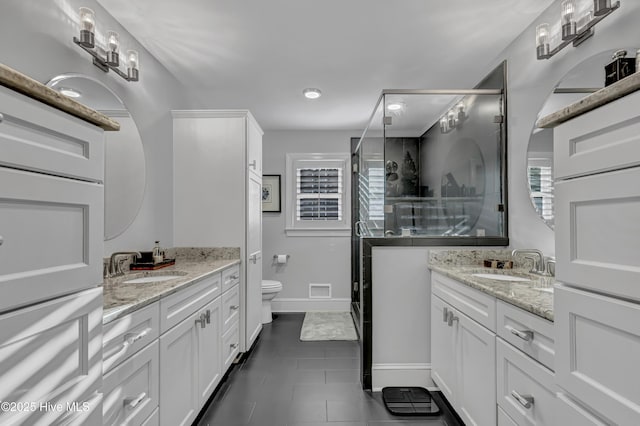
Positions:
{"x": 601, "y": 97}
{"x": 34, "y": 89}
{"x": 534, "y": 296}
{"x": 121, "y": 299}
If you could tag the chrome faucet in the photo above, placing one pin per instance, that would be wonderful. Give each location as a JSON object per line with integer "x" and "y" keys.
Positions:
{"x": 535, "y": 255}
{"x": 114, "y": 269}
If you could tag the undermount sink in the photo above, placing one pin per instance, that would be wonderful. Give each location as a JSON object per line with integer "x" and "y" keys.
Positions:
{"x": 501, "y": 277}
{"x": 155, "y": 278}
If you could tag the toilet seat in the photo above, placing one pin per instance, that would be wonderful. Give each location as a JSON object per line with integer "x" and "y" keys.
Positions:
{"x": 271, "y": 285}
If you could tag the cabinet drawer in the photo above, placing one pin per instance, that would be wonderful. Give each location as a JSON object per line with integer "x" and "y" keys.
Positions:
{"x": 526, "y": 389}
{"x": 230, "y": 277}
{"x": 601, "y": 140}
{"x": 131, "y": 389}
{"x": 504, "y": 419}
{"x": 37, "y": 137}
{"x": 51, "y": 352}
{"x": 477, "y": 305}
{"x": 230, "y": 308}
{"x": 153, "y": 419}
{"x": 230, "y": 346}
{"x": 51, "y": 233}
{"x": 528, "y": 332}
{"x": 180, "y": 305}
{"x": 127, "y": 335}
{"x": 569, "y": 412}
{"x": 597, "y": 230}
{"x": 597, "y": 352}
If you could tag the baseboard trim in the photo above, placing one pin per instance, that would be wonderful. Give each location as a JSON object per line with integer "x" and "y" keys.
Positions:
{"x": 307, "y": 305}
{"x": 383, "y": 375}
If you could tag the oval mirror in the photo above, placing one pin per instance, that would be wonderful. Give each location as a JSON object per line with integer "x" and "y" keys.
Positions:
{"x": 582, "y": 80}
{"x": 125, "y": 172}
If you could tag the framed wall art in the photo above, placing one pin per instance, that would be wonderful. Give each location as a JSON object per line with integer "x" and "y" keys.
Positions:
{"x": 271, "y": 193}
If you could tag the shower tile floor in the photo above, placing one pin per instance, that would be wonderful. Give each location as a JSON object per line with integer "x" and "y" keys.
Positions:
{"x": 286, "y": 382}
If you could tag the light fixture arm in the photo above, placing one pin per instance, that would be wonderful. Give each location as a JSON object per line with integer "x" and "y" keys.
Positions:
{"x": 102, "y": 63}
{"x": 586, "y": 32}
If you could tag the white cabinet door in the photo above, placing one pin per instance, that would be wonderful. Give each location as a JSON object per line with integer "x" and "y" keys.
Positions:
{"x": 597, "y": 352}
{"x": 253, "y": 289}
{"x": 597, "y": 229}
{"x": 179, "y": 399}
{"x": 254, "y": 146}
{"x": 51, "y": 352}
{"x": 209, "y": 351}
{"x": 51, "y": 237}
{"x": 476, "y": 387}
{"x": 443, "y": 367}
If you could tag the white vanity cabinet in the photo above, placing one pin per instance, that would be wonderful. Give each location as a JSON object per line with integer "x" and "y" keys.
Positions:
{"x": 463, "y": 351}
{"x": 217, "y": 175}
{"x": 51, "y": 247}
{"x": 597, "y": 304}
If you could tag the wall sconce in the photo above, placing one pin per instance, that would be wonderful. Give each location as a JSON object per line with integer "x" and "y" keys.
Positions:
{"x": 570, "y": 31}
{"x": 453, "y": 118}
{"x": 110, "y": 60}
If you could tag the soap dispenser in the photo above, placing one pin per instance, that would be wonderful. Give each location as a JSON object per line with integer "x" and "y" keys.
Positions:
{"x": 157, "y": 253}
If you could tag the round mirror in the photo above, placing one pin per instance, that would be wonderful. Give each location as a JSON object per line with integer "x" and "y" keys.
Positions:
{"x": 124, "y": 173}
{"x": 582, "y": 80}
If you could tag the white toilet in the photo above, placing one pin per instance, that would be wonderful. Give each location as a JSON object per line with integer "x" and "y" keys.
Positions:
{"x": 269, "y": 290}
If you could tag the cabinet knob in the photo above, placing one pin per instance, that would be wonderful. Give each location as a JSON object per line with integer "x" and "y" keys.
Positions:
{"x": 525, "y": 335}
{"x": 233, "y": 345}
{"x": 525, "y": 400}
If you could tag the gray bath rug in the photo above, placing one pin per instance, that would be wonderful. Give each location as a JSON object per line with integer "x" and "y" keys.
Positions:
{"x": 328, "y": 326}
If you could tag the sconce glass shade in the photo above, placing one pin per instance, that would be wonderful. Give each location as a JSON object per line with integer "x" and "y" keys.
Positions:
{"x": 568, "y": 8}
{"x": 444, "y": 125}
{"x": 542, "y": 40}
{"x": 132, "y": 65}
{"x": 600, "y": 7}
{"x": 113, "y": 48}
{"x": 452, "y": 119}
{"x": 87, "y": 27}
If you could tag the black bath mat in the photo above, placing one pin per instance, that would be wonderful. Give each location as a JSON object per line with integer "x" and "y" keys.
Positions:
{"x": 409, "y": 401}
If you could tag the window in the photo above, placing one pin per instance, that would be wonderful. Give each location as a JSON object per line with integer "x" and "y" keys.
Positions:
{"x": 541, "y": 182}
{"x": 318, "y": 194}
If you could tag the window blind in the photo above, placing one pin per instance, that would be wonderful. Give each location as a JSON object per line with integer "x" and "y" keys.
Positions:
{"x": 319, "y": 193}
{"x": 541, "y": 182}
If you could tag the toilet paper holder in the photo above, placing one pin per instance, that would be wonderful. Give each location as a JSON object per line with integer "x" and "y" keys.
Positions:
{"x": 280, "y": 259}
{"x": 275, "y": 257}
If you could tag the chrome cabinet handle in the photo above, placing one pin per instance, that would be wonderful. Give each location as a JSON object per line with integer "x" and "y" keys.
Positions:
{"x": 233, "y": 345}
{"x": 234, "y": 277}
{"x": 132, "y": 338}
{"x": 134, "y": 401}
{"x": 207, "y": 316}
{"x": 445, "y": 314}
{"x": 253, "y": 258}
{"x": 525, "y": 335}
{"x": 451, "y": 319}
{"x": 202, "y": 321}
{"x": 253, "y": 164}
{"x": 234, "y": 307}
{"x": 525, "y": 400}
{"x": 1, "y": 240}
{"x": 1, "y": 117}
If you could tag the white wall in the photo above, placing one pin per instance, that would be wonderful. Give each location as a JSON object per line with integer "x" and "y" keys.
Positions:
{"x": 530, "y": 82}
{"x": 318, "y": 260}
{"x": 36, "y": 39}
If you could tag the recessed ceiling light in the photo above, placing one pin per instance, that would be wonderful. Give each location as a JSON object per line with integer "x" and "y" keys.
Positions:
{"x": 311, "y": 93}
{"x": 395, "y": 106}
{"x": 72, "y": 93}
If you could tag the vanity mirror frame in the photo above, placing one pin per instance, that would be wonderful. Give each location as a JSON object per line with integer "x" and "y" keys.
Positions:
{"x": 125, "y": 178}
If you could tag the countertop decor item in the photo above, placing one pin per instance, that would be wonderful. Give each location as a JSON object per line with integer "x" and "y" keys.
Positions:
{"x": 619, "y": 68}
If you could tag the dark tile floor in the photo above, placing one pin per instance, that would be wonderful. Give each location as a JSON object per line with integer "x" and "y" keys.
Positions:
{"x": 286, "y": 382}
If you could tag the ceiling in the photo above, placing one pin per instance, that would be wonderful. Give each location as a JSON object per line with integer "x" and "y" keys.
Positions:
{"x": 260, "y": 55}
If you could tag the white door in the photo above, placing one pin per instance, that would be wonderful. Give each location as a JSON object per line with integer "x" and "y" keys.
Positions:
{"x": 209, "y": 351}
{"x": 253, "y": 294}
{"x": 179, "y": 401}
{"x": 442, "y": 349}
{"x": 476, "y": 348}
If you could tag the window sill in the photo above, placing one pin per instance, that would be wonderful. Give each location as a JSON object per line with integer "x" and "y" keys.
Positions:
{"x": 318, "y": 232}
